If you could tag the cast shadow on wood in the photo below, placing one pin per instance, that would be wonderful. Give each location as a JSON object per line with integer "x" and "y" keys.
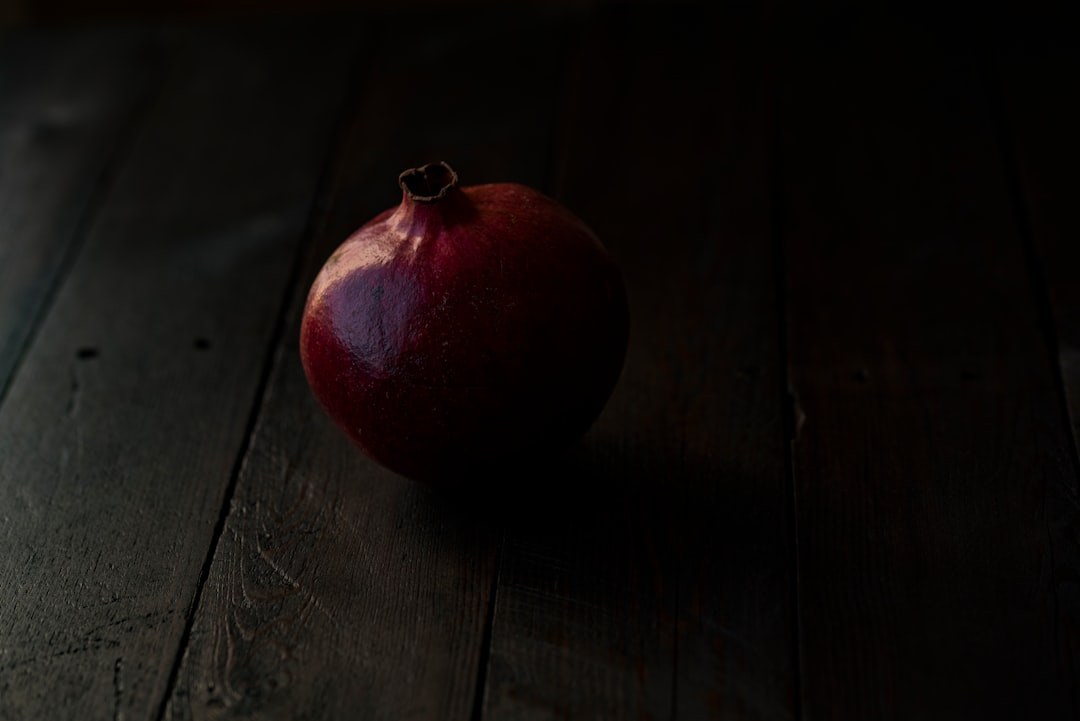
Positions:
{"x": 570, "y": 488}
{"x": 598, "y": 485}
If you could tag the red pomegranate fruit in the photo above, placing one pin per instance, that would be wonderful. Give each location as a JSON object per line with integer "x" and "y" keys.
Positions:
{"x": 465, "y": 328}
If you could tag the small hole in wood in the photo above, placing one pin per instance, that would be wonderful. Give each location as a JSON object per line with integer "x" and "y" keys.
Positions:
{"x": 86, "y": 353}
{"x": 201, "y": 344}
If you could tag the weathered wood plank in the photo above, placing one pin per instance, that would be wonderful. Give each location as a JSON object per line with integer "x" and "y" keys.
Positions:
{"x": 121, "y": 430}
{"x": 654, "y": 578}
{"x": 66, "y": 101}
{"x": 339, "y": 590}
{"x": 934, "y": 482}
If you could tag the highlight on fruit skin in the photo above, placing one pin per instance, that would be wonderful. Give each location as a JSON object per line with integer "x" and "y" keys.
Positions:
{"x": 465, "y": 328}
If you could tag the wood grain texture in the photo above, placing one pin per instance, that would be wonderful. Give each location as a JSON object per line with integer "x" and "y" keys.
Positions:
{"x": 934, "y": 480}
{"x": 121, "y": 430}
{"x": 650, "y": 578}
{"x": 339, "y": 590}
{"x": 65, "y": 100}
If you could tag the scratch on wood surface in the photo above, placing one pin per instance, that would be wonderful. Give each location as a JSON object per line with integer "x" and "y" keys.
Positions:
{"x": 310, "y": 600}
{"x": 265, "y": 555}
{"x": 75, "y": 396}
{"x": 118, "y": 689}
{"x": 315, "y": 603}
{"x": 278, "y": 569}
{"x": 151, "y": 619}
{"x": 797, "y": 418}
{"x": 73, "y": 407}
{"x": 93, "y": 645}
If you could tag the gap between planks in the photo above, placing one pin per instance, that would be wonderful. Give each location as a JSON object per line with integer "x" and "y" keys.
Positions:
{"x": 360, "y": 61}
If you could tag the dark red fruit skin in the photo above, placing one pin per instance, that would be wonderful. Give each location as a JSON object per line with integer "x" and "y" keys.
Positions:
{"x": 449, "y": 336}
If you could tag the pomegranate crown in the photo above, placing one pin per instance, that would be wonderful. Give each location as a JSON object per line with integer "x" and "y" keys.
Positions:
{"x": 428, "y": 183}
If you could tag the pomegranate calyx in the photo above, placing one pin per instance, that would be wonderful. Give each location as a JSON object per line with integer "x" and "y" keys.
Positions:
{"x": 428, "y": 183}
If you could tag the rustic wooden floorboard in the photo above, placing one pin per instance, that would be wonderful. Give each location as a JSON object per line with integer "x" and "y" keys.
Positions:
{"x": 120, "y": 432}
{"x": 66, "y": 99}
{"x": 935, "y": 484}
{"x": 339, "y": 590}
{"x": 651, "y": 575}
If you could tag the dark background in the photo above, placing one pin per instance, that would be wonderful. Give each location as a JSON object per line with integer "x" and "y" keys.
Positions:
{"x": 22, "y": 12}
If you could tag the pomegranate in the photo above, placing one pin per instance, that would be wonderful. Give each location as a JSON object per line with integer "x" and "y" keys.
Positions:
{"x": 465, "y": 328}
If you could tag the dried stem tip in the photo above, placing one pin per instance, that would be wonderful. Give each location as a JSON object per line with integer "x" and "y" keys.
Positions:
{"x": 429, "y": 182}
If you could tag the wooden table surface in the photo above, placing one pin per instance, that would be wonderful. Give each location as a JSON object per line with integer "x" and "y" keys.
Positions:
{"x": 837, "y": 479}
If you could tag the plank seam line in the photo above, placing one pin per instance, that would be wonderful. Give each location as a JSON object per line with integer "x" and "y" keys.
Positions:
{"x": 489, "y": 632}
{"x": 88, "y": 215}
{"x": 316, "y": 218}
